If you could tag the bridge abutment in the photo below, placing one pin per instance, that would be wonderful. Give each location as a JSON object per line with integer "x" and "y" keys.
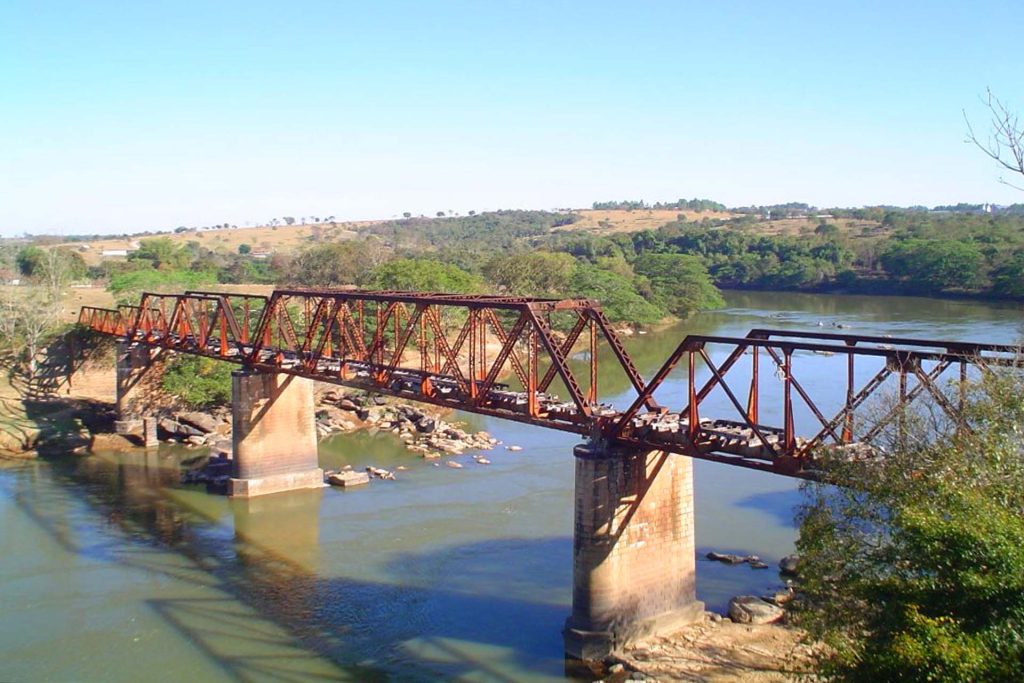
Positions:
{"x": 274, "y": 434}
{"x": 139, "y": 371}
{"x": 634, "y": 564}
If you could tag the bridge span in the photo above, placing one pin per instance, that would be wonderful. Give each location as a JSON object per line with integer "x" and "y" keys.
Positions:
{"x": 535, "y": 361}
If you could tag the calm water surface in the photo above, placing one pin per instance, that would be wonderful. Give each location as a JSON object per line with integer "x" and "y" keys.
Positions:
{"x": 111, "y": 571}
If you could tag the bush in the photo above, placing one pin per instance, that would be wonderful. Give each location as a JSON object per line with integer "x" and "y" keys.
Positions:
{"x": 915, "y": 570}
{"x": 129, "y": 284}
{"x": 423, "y": 275}
{"x": 199, "y": 383}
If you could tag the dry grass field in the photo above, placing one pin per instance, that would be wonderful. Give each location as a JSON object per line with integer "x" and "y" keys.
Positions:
{"x": 280, "y": 238}
{"x": 803, "y": 226}
{"x": 607, "y": 221}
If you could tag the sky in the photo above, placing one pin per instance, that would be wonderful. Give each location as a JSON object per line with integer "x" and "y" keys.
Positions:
{"x": 130, "y": 116}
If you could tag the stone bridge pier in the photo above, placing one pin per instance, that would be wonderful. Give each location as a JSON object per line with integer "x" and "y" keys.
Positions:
{"x": 273, "y": 434}
{"x": 634, "y": 564}
{"x": 139, "y": 370}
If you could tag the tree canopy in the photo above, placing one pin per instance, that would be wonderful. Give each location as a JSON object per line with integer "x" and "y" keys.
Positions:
{"x": 423, "y": 275}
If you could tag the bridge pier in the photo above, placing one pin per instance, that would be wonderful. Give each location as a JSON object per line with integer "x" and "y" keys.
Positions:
{"x": 634, "y": 564}
{"x": 274, "y": 434}
{"x": 139, "y": 370}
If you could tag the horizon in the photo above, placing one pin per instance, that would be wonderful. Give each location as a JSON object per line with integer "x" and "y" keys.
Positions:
{"x": 126, "y": 119}
{"x": 299, "y": 220}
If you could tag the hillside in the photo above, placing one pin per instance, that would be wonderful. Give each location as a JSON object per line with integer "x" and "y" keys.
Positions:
{"x": 609, "y": 221}
{"x": 277, "y": 238}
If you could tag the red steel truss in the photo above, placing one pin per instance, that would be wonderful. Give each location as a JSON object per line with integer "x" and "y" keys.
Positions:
{"x": 500, "y": 356}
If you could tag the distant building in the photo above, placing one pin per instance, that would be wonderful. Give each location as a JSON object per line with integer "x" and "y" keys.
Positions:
{"x": 260, "y": 255}
{"x": 116, "y": 252}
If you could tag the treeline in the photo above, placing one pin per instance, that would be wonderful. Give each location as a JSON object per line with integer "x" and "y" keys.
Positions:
{"x": 640, "y": 277}
{"x": 509, "y": 252}
{"x": 679, "y": 205}
{"x": 910, "y": 252}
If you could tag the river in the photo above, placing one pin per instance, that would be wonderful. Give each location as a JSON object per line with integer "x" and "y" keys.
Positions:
{"x": 112, "y": 571}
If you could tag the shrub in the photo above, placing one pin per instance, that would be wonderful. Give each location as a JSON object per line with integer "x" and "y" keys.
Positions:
{"x": 198, "y": 382}
{"x": 914, "y": 570}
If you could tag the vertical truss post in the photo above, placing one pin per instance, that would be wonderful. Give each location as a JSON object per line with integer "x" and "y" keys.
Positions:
{"x": 482, "y": 340}
{"x": 848, "y": 408}
{"x": 223, "y": 334}
{"x": 901, "y": 422}
{"x": 789, "y": 436}
{"x": 473, "y": 333}
{"x": 755, "y": 381}
{"x": 693, "y": 413}
{"x": 245, "y": 321}
{"x": 421, "y": 343}
{"x": 531, "y": 388}
{"x": 962, "y": 389}
{"x": 592, "y": 394}
{"x": 378, "y": 337}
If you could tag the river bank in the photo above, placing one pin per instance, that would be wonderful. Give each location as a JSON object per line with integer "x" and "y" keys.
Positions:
{"x": 718, "y": 650}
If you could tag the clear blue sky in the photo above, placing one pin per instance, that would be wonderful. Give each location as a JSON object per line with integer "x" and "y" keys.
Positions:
{"x": 138, "y": 115}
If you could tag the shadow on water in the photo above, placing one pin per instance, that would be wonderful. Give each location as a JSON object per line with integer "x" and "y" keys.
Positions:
{"x": 277, "y": 610}
{"x": 780, "y": 504}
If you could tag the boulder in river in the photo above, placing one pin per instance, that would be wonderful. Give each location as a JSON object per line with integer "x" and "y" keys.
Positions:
{"x": 204, "y": 422}
{"x": 725, "y": 558}
{"x": 348, "y": 478}
{"x": 750, "y": 609}
{"x": 789, "y": 565}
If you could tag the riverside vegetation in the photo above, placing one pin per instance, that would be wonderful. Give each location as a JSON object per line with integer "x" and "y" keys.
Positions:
{"x": 913, "y": 568}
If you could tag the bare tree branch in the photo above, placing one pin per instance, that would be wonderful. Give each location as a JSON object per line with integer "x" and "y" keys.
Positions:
{"x": 1005, "y": 141}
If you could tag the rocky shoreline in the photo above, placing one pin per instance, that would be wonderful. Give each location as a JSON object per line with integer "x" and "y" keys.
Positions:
{"x": 422, "y": 429}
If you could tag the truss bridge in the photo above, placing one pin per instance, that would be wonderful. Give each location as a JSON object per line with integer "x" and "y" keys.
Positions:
{"x": 767, "y": 400}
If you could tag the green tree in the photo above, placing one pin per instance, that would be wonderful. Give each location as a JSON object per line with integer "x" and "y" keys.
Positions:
{"x": 680, "y": 282}
{"x": 1008, "y": 279}
{"x": 534, "y": 273}
{"x": 913, "y": 568}
{"x": 617, "y": 295}
{"x": 341, "y": 263}
{"x": 62, "y": 265}
{"x": 936, "y": 263}
{"x": 160, "y": 253}
{"x": 244, "y": 248}
{"x": 423, "y": 275}
{"x": 826, "y": 229}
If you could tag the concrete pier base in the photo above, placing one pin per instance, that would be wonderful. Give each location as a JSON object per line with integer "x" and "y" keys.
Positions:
{"x": 149, "y": 432}
{"x": 139, "y": 371}
{"x": 634, "y": 564}
{"x": 274, "y": 434}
